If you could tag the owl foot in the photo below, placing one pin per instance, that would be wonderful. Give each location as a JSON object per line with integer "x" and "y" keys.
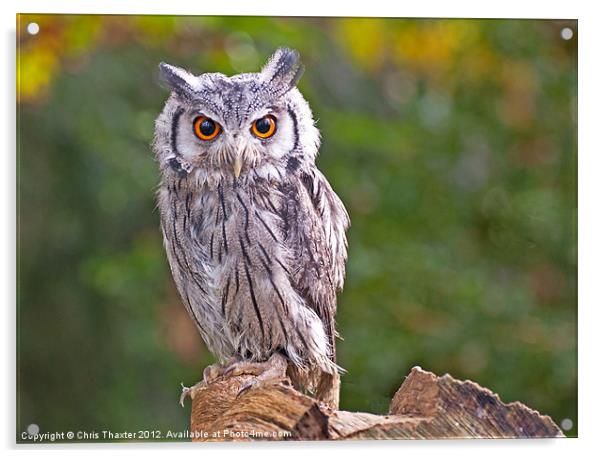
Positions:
{"x": 188, "y": 391}
{"x": 214, "y": 371}
{"x": 268, "y": 372}
{"x": 271, "y": 371}
{"x": 210, "y": 374}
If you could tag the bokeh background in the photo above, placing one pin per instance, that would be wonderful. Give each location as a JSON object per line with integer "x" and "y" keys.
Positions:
{"x": 451, "y": 142}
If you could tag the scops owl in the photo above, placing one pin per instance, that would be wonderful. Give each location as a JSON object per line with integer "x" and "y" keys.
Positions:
{"x": 254, "y": 233}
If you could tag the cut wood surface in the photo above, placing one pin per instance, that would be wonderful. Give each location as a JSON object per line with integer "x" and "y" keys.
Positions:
{"x": 425, "y": 407}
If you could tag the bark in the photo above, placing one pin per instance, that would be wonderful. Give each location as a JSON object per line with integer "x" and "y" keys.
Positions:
{"x": 425, "y": 407}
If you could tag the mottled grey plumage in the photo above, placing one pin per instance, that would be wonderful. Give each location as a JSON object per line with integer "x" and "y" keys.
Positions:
{"x": 258, "y": 258}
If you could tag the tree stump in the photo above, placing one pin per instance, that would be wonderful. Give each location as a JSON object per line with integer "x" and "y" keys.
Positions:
{"x": 425, "y": 407}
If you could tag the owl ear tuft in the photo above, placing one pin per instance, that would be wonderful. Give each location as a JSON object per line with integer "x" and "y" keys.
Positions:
{"x": 178, "y": 79}
{"x": 283, "y": 70}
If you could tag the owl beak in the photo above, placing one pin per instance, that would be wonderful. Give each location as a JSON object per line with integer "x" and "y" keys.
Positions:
{"x": 237, "y": 165}
{"x": 239, "y": 151}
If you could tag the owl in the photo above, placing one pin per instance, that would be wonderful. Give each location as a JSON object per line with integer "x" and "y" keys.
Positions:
{"x": 253, "y": 231}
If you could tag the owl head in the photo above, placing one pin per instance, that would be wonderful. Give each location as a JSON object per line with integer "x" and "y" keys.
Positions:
{"x": 229, "y": 127}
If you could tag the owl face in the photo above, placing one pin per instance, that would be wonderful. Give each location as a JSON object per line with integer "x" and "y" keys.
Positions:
{"x": 233, "y": 125}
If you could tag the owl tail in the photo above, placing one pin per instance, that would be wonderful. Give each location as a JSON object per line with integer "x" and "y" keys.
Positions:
{"x": 329, "y": 383}
{"x": 328, "y": 389}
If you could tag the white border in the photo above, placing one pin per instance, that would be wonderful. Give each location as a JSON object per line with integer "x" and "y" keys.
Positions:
{"x": 590, "y": 197}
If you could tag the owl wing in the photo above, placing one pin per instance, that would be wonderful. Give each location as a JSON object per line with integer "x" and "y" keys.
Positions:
{"x": 316, "y": 221}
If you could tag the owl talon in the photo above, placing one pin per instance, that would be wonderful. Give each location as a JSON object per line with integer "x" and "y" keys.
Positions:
{"x": 248, "y": 385}
{"x": 211, "y": 373}
{"x": 214, "y": 371}
{"x": 186, "y": 392}
{"x": 272, "y": 371}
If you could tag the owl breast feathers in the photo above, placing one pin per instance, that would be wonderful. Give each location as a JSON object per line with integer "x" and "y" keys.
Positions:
{"x": 254, "y": 233}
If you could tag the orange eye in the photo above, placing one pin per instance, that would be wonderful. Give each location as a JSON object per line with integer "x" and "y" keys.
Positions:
{"x": 205, "y": 128}
{"x": 264, "y": 127}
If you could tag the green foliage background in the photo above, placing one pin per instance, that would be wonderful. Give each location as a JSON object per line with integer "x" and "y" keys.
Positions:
{"x": 452, "y": 143}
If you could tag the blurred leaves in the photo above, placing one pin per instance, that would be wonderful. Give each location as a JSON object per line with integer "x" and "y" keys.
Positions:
{"x": 451, "y": 142}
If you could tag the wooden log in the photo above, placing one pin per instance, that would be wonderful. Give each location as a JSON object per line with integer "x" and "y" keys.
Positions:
{"x": 424, "y": 407}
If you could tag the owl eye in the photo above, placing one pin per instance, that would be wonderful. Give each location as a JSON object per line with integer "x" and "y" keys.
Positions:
{"x": 205, "y": 128}
{"x": 264, "y": 127}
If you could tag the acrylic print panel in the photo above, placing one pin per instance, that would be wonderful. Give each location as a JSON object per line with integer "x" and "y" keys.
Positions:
{"x": 451, "y": 144}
